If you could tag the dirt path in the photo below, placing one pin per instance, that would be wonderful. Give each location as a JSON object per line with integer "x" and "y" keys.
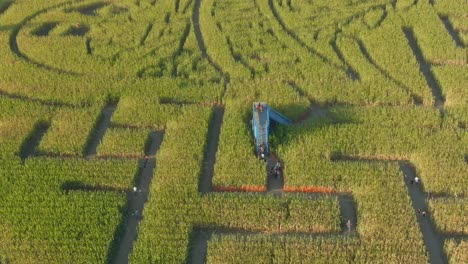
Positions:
{"x": 434, "y": 242}
{"x": 97, "y": 134}
{"x": 314, "y": 109}
{"x": 348, "y": 211}
{"x": 136, "y": 201}
{"x": 425, "y": 68}
{"x": 275, "y": 184}
{"x": 198, "y": 246}
{"x": 348, "y": 208}
{"x": 214, "y": 131}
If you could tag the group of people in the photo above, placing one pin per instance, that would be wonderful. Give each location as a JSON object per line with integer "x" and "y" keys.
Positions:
{"x": 422, "y": 213}
{"x": 276, "y": 170}
{"x": 414, "y": 180}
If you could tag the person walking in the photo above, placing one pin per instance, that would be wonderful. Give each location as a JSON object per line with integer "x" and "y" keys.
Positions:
{"x": 416, "y": 179}
{"x": 262, "y": 151}
{"x": 277, "y": 169}
{"x": 349, "y": 225}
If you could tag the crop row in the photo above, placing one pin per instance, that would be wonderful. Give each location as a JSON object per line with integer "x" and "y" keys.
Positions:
{"x": 428, "y": 146}
{"x": 169, "y": 51}
{"x": 450, "y": 215}
{"x": 163, "y": 236}
{"x": 277, "y": 249}
{"x": 453, "y": 79}
{"x": 289, "y": 214}
{"x": 175, "y": 207}
{"x": 112, "y": 48}
{"x": 457, "y": 251}
{"x": 435, "y": 42}
{"x": 43, "y": 220}
{"x": 69, "y": 131}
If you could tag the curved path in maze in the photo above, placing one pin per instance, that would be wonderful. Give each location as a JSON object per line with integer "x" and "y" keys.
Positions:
{"x": 14, "y": 43}
{"x": 43, "y": 102}
{"x": 416, "y": 98}
{"x": 202, "y": 47}
{"x": 353, "y": 75}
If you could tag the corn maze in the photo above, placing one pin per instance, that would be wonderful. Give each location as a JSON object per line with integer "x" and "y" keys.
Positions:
{"x": 125, "y": 131}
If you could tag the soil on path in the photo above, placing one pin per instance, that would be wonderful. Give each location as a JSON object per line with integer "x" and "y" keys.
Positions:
{"x": 137, "y": 200}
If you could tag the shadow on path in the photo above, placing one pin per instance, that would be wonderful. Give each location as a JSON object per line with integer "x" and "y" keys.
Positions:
{"x": 425, "y": 68}
{"x": 433, "y": 241}
{"x": 451, "y": 30}
{"x": 126, "y": 233}
{"x": 97, "y": 133}
{"x": 303, "y": 44}
{"x": 31, "y": 142}
{"x": 214, "y": 131}
{"x": 199, "y": 237}
{"x": 39, "y": 101}
{"x": 416, "y": 98}
{"x": 4, "y": 6}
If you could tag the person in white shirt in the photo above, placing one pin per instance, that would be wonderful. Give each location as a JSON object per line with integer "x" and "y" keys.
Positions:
{"x": 416, "y": 179}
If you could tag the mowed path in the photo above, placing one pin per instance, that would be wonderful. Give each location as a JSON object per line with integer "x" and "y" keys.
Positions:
{"x": 433, "y": 241}
{"x": 136, "y": 201}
